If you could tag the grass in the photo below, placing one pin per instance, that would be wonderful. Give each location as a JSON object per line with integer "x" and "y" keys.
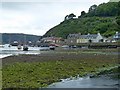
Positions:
{"x": 113, "y": 73}
{"x": 35, "y": 75}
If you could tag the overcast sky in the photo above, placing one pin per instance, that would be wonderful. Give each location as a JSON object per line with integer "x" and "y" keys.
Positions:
{"x": 38, "y": 16}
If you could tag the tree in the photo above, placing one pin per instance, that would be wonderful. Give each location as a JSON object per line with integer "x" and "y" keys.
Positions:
{"x": 90, "y": 41}
{"x": 118, "y": 20}
{"x": 66, "y": 17}
{"x": 92, "y": 8}
{"x": 83, "y": 13}
{"x": 119, "y": 8}
{"x": 71, "y": 16}
{"x": 101, "y": 40}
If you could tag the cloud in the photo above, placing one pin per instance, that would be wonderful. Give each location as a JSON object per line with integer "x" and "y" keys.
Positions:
{"x": 54, "y": 1}
{"x": 38, "y": 16}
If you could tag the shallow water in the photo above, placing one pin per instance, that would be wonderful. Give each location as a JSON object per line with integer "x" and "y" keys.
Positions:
{"x": 13, "y": 50}
{"x": 105, "y": 80}
{"x": 86, "y": 82}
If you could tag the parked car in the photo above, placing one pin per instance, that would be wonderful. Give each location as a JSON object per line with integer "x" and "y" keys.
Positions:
{"x": 65, "y": 46}
{"x": 73, "y": 46}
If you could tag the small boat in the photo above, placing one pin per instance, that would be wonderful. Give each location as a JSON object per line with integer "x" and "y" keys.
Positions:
{"x": 52, "y": 47}
{"x": 9, "y": 45}
{"x": 19, "y": 47}
{"x": 65, "y": 46}
{"x": 25, "y": 48}
{"x": 1, "y": 46}
{"x": 15, "y": 43}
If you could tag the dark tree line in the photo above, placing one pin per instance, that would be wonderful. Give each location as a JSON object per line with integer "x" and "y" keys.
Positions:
{"x": 70, "y": 16}
{"x": 103, "y": 10}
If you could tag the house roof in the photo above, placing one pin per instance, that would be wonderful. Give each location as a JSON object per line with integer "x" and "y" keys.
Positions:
{"x": 73, "y": 35}
{"x": 83, "y": 36}
{"x": 88, "y": 36}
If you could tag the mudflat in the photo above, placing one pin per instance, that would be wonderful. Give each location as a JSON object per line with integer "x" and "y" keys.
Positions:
{"x": 34, "y": 71}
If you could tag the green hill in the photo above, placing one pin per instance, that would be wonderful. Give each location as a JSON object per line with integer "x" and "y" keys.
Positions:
{"x": 100, "y": 18}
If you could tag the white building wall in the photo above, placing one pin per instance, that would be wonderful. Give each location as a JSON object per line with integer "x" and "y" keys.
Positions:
{"x": 99, "y": 37}
{"x": 82, "y": 40}
{"x": 94, "y": 40}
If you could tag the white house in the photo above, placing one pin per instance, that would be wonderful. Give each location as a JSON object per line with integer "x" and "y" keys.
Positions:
{"x": 89, "y": 38}
{"x": 94, "y": 38}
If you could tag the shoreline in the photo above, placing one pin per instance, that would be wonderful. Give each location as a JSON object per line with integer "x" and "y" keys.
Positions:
{"x": 80, "y": 81}
{"x": 61, "y": 54}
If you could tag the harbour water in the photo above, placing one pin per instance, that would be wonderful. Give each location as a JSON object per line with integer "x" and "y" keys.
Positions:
{"x": 6, "y": 51}
{"x": 86, "y": 82}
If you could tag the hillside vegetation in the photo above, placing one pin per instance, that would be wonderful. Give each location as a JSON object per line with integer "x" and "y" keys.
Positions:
{"x": 103, "y": 18}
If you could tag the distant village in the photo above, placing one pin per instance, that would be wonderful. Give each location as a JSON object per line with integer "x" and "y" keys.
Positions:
{"x": 74, "y": 40}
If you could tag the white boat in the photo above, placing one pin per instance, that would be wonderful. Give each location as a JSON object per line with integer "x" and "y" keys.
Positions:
{"x": 1, "y": 46}
{"x": 65, "y": 46}
{"x": 19, "y": 47}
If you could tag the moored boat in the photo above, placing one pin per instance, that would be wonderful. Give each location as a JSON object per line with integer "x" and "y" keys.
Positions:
{"x": 19, "y": 47}
{"x": 52, "y": 47}
{"x": 25, "y": 48}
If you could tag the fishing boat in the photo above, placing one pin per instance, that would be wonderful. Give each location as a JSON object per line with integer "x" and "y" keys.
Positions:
{"x": 52, "y": 47}
{"x": 15, "y": 43}
{"x": 25, "y": 48}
